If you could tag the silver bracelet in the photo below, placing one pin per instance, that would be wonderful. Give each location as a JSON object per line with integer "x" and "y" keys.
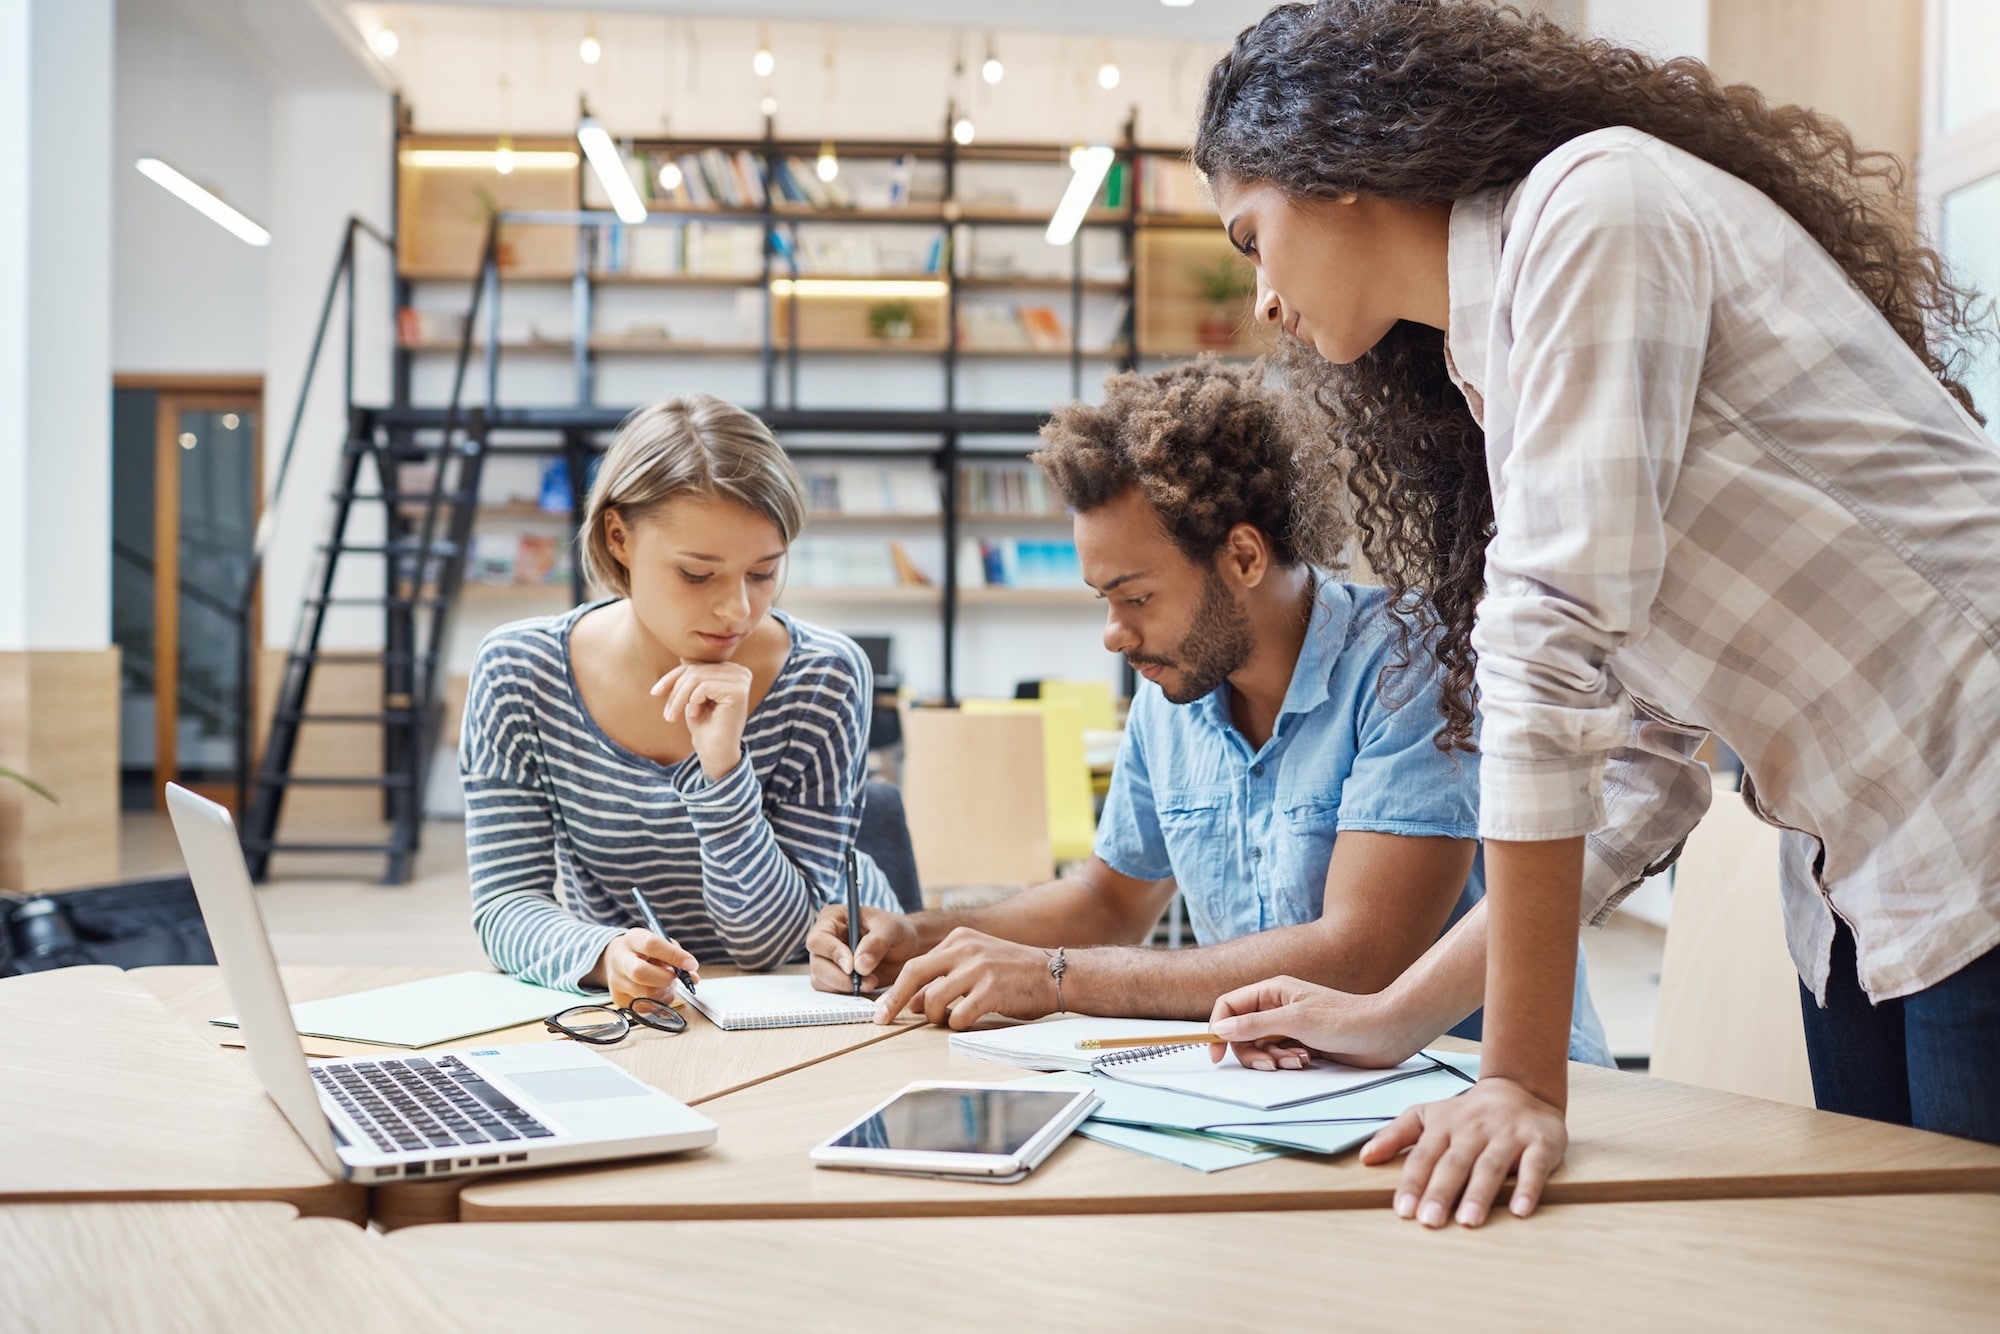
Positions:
{"x": 1057, "y": 966}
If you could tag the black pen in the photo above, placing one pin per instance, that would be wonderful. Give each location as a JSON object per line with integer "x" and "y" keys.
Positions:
{"x": 853, "y": 916}
{"x": 653, "y": 925}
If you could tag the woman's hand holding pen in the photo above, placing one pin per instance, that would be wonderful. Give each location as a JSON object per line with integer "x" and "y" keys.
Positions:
{"x": 640, "y": 963}
{"x": 713, "y": 698}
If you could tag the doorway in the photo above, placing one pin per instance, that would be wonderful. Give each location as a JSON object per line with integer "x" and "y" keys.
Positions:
{"x": 186, "y": 493}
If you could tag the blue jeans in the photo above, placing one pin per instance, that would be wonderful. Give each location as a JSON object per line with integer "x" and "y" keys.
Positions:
{"x": 1925, "y": 1060}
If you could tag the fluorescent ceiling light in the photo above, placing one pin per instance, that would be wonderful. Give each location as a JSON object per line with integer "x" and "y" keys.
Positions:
{"x": 904, "y": 287}
{"x": 1090, "y": 164}
{"x": 611, "y": 173}
{"x": 207, "y": 204}
{"x": 489, "y": 159}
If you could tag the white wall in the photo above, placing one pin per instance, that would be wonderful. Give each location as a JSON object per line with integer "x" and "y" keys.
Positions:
{"x": 330, "y": 158}
{"x": 1658, "y": 27}
{"x": 55, "y": 318}
{"x": 188, "y": 297}
{"x": 15, "y": 140}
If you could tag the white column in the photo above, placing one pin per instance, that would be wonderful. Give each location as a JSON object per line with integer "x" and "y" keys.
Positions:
{"x": 55, "y": 323}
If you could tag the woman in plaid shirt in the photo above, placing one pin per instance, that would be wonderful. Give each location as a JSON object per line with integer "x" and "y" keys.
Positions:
{"x": 1651, "y": 394}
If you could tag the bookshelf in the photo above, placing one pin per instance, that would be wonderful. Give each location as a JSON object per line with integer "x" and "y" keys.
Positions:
{"x": 755, "y": 280}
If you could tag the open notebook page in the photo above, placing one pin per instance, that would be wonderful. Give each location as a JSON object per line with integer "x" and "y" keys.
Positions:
{"x": 787, "y": 1001}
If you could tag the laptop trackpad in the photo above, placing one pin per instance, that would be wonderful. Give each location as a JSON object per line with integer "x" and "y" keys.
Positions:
{"x": 581, "y": 1084}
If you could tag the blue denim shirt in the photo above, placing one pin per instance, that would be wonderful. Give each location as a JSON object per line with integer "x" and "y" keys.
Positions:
{"x": 1247, "y": 834}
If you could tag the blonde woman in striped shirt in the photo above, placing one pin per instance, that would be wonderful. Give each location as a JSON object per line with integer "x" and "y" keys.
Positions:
{"x": 681, "y": 737}
{"x": 1653, "y": 396}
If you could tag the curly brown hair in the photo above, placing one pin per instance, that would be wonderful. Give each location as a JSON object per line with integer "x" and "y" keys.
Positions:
{"x": 1209, "y": 446}
{"x": 1428, "y": 101}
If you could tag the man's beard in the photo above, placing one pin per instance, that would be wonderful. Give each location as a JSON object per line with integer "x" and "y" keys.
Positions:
{"x": 1216, "y": 644}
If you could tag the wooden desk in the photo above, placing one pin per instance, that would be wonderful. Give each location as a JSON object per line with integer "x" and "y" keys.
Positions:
{"x": 201, "y": 1266}
{"x": 1888, "y": 1263}
{"x": 697, "y": 1066}
{"x": 1632, "y": 1138}
{"x": 106, "y": 1095}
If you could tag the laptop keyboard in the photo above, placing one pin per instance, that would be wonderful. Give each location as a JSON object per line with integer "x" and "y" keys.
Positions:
{"x": 417, "y": 1103}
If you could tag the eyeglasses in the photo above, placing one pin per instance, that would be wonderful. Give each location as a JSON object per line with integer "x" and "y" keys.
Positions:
{"x": 604, "y": 1025}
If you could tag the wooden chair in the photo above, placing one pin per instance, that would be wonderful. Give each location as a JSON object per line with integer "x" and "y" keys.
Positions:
{"x": 1729, "y": 993}
{"x": 974, "y": 793}
{"x": 1072, "y": 812}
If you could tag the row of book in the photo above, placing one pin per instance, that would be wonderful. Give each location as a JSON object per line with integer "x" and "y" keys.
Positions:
{"x": 711, "y": 249}
{"x": 1019, "y": 562}
{"x": 1169, "y": 185}
{"x": 1013, "y": 487}
{"x": 870, "y": 488}
{"x": 1002, "y": 562}
{"x": 712, "y": 178}
{"x": 519, "y": 558}
{"x": 1000, "y": 325}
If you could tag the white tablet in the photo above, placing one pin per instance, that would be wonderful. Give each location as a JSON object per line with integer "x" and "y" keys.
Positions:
{"x": 955, "y": 1128}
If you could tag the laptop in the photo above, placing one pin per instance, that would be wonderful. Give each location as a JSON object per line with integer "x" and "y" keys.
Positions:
{"x": 427, "y": 1114}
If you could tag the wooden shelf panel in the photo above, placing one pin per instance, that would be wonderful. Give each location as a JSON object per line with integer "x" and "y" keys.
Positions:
{"x": 1036, "y": 283}
{"x": 1027, "y": 597}
{"x": 920, "y": 595}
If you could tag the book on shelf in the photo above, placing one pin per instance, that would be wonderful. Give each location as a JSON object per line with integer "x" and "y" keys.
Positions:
{"x": 710, "y": 178}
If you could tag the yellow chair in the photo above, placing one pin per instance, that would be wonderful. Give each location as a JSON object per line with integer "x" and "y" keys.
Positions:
{"x": 1100, "y": 714}
{"x": 1066, "y": 774}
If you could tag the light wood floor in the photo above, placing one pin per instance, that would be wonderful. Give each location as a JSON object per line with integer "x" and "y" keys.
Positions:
{"x": 335, "y": 911}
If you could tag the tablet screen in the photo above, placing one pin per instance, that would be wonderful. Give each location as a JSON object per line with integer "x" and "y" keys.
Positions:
{"x": 944, "y": 1120}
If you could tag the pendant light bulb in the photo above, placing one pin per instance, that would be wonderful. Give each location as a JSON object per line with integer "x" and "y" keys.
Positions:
{"x": 1107, "y": 75}
{"x": 670, "y": 175}
{"x": 961, "y": 130}
{"x": 769, "y": 105}
{"x": 503, "y": 158}
{"x": 590, "y": 50}
{"x": 828, "y": 165}
{"x": 385, "y": 42}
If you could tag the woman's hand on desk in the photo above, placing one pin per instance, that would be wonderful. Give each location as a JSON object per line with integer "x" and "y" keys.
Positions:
{"x": 888, "y": 941}
{"x": 1463, "y": 1149}
{"x": 640, "y": 963}
{"x": 713, "y": 699}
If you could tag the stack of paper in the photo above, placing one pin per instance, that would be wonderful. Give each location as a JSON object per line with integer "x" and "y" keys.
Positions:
{"x": 1174, "y": 1104}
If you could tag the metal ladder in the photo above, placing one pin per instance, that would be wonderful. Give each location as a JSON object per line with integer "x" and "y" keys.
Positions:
{"x": 421, "y": 556}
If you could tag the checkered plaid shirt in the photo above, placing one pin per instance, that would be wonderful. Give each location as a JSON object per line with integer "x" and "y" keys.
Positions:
{"x": 1728, "y": 498}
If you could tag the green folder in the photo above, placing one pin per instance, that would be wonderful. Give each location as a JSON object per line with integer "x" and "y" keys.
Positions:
{"x": 423, "y": 1014}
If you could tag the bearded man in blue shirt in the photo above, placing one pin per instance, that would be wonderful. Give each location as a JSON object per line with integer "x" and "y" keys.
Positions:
{"x": 1279, "y": 766}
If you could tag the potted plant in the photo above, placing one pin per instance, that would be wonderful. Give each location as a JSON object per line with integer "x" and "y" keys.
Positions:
{"x": 892, "y": 321}
{"x": 1225, "y": 285}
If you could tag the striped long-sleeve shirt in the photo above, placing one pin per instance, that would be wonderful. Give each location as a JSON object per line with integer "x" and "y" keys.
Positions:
{"x": 561, "y": 821}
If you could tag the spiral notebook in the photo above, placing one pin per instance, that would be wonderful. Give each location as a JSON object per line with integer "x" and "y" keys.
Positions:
{"x": 1052, "y": 1046}
{"x": 774, "y": 1002}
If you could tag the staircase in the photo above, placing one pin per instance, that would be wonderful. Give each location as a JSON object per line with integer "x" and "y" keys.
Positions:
{"x": 414, "y": 570}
